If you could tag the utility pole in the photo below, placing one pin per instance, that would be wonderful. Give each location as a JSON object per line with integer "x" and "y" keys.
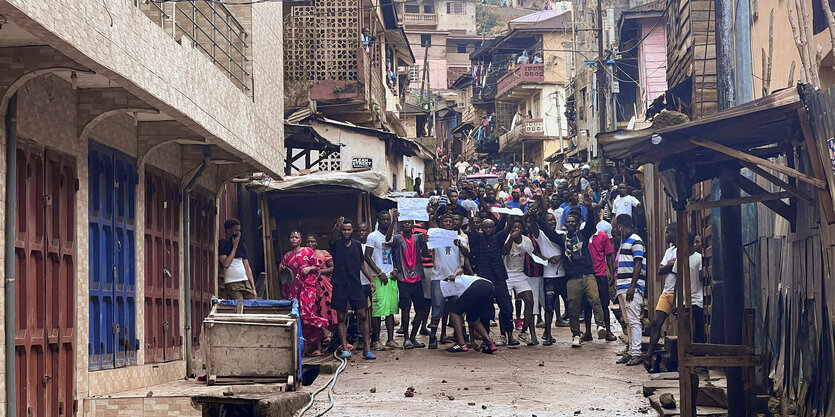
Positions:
{"x": 601, "y": 73}
{"x": 728, "y": 257}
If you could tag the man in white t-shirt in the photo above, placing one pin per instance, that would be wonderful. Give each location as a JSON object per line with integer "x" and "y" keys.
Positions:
{"x": 666, "y": 301}
{"x": 515, "y": 248}
{"x": 553, "y": 281}
{"x": 448, "y": 262}
{"x": 511, "y": 177}
{"x": 697, "y": 287}
{"x": 461, "y": 166}
{"x": 385, "y": 297}
{"x": 624, "y": 203}
{"x": 237, "y": 275}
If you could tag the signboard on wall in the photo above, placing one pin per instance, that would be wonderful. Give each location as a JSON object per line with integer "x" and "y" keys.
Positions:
{"x": 361, "y": 163}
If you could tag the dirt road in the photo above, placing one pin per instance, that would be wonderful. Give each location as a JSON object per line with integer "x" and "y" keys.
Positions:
{"x": 526, "y": 381}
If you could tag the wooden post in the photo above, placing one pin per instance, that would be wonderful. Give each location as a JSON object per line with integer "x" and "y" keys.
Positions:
{"x": 688, "y": 381}
{"x": 270, "y": 265}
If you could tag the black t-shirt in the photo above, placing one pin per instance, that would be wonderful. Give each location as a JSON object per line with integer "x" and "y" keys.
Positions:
{"x": 347, "y": 261}
{"x": 224, "y": 247}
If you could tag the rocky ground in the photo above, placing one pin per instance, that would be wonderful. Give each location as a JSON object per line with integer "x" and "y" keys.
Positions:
{"x": 526, "y": 381}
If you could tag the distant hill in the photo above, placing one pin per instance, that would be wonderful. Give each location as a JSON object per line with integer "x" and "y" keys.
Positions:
{"x": 504, "y": 15}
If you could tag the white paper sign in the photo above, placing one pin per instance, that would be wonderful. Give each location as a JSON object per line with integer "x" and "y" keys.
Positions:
{"x": 541, "y": 261}
{"x": 505, "y": 210}
{"x": 413, "y": 208}
{"x": 441, "y": 238}
{"x": 455, "y": 289}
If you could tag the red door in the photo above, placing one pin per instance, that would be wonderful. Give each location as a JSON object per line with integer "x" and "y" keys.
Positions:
{"x": 45, "y": 262}
{"x": 162, "y": 267}
{"x": 202, "y": 249}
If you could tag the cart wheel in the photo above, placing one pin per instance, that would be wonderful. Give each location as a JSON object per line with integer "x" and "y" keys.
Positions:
{"x": 211, "y": 380}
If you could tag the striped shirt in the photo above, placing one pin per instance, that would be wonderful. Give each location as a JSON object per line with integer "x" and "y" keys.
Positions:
{"x": 631, "y": 248}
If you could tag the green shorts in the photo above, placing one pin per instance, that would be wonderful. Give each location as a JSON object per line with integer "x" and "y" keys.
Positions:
{"x": 384, "y": 299}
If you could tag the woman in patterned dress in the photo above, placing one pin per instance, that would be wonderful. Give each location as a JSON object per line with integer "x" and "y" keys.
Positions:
{"x": 324, "y": 288}
{"x": 301, "y": 261}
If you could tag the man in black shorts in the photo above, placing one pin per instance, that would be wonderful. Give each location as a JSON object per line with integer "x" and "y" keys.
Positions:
{"x": 348, "y": 263}
{"x": 475, "y": 300}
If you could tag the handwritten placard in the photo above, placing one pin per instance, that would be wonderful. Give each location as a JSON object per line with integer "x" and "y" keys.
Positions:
{"x": 441, "y": 238}
{"x": 413, "y": 209}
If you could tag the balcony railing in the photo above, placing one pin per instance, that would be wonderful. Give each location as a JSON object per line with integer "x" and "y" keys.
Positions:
{"x": 526, "y": 129}
{"x": 211, "y": 28}
{"x": 420, "y": 19}
{"x": 524, "y": 73}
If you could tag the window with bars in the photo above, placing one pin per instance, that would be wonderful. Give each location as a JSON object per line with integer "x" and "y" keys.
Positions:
{"x": 414, "y": 73}
{"x": 455, "y": 7}
{"x": 411, "y": 8}
{"x": 429, "y": 8}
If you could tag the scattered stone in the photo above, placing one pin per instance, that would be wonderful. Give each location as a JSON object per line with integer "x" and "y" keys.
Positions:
{"x": 397, "y": 358}
{"x": 576, "y": 412}
{"x": 374, "y": 390}
{"x": 488, "y": 388}
{"x": 644, "y": 410}
{"x": 466, "y": 389}
{"x": 443, "y": 381}
{"x": 228, "y": 393}
{"x": 471, "y": 404}
{"x": 450, "y": 397}
{"x": 541, "y": 363}
{"x": 365, "y": 373}
{"x": 472, "y": 370}
{"x": 483, "y": 406}
{"x": 410, "y": 392}
{"x": 150, "y": 394}
{"x": 667, "y": 401}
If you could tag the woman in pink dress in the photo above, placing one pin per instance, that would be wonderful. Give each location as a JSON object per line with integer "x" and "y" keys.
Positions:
{"x": 324, "y": 288}
{"x": 301, "y": 261}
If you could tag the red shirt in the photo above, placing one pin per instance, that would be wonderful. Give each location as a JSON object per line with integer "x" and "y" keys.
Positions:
{"x": 599, "y": 247}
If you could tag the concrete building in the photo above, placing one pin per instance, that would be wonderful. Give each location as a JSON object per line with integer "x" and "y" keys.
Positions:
{"x": 442, "y": 34}
{"x": 520, "y": 85}
{"x": 124, "y": 121}
{"x": 345, "y": 93}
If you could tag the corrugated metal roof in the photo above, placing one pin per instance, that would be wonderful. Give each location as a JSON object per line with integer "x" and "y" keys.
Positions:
{"x": 538, "y": 16}
{"x": 655, "y": 6}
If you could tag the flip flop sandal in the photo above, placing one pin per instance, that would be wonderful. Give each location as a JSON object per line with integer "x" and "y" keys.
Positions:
{"x": 456, "y": 348}
{"x": 547, "y": 343}
{"x": 418, "y": 345}
{"x": 534, "y": 343}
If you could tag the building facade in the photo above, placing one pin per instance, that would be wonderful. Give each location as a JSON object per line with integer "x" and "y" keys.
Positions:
{"x": 122, "y": 144}
{"x": 518, "y": 91}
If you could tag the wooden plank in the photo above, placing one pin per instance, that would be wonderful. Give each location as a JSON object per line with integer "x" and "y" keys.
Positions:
{"x": 760, "y": 161}
{"x": 737, "y": 201}
{"x": 817, "y": 165}
{"x": 721, "y": 361}
{"x": 778, "y": 182}
{"x": 707, "y": 349}
{"x": 782, "y": 209}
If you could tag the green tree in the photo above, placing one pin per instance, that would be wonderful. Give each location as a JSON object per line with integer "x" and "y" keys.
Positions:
{"x": 485, "y": 19}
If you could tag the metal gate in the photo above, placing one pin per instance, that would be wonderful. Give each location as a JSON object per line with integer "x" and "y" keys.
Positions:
{"x": 112, "y": 208}
{"x": 162, "y": 267}
{"x": 45, "y": 270}
{"x": 202, "y": 252}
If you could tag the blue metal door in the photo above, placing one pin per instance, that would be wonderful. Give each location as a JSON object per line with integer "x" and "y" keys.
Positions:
{"x": 112, "y": 208}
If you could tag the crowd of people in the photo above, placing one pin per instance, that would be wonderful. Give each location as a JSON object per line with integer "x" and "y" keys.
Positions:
{"x": 527, "y": 240}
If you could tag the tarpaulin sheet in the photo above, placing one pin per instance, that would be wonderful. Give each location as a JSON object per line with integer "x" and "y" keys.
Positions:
{"x": 369, "y": 181}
